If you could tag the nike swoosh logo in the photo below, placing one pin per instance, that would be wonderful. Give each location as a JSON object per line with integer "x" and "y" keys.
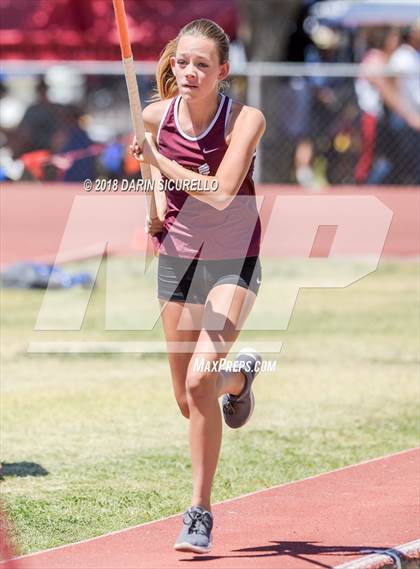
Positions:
{"x": 258, "y": 281}
{"x": 205, "y": 151}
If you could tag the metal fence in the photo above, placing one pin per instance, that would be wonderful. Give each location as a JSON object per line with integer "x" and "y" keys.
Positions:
{"x": 319, "y": 132}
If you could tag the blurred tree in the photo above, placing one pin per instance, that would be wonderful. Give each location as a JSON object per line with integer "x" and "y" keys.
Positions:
{"x": 265, "y": 27}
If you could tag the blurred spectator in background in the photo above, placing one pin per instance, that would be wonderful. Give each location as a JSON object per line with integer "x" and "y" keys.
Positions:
{"x": 325, "y": 49}
{"x": 331, "y": 104}
{"x": 385, "y": 103}
{"x": 373, "y": 165}
{"x": 40, "y": 122}
{"x": 52, "y": 125}
{"x": 305, "y": 106}
{"x": 72, "y": 136}
{"x": 4, "y": 156}
{"x": 406, "y": 128}
{"x": 309, "y": 170}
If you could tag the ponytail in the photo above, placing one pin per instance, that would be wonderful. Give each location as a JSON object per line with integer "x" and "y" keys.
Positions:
{"x": 165, "y": 79}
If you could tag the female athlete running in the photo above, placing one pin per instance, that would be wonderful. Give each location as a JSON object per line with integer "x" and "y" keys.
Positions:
{"x": 209, "y": 271}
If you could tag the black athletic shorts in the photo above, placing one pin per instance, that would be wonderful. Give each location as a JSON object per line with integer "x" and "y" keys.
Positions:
{"x": 190, "y": 280}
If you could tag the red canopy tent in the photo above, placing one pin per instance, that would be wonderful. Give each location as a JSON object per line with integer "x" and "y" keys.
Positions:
{"x": 86, "y": 30}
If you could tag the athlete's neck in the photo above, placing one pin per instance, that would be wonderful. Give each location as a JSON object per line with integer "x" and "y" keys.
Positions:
{"x": 197, "y": 115}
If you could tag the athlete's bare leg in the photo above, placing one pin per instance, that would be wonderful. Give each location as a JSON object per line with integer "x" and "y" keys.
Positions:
{"x": 226, "y": 308}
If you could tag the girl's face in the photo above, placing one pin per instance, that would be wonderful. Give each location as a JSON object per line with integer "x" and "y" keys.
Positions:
{"x": 197, "y": 68}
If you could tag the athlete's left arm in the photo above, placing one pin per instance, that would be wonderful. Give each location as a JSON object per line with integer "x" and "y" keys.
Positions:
{"x": 246, "y": 133}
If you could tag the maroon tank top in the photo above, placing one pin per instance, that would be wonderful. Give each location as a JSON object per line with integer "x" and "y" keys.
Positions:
{"x": 193, "y": 228}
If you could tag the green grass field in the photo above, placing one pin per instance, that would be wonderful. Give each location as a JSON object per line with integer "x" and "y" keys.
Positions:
{"x": 105, "y": 435}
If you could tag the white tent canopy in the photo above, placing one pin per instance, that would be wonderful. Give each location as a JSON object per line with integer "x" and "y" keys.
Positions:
{"x": 357, "y": 13}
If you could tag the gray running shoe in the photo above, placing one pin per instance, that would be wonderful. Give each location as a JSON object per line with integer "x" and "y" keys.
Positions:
{"x": 196, "y": 531}
{"x": 238, "y": 409}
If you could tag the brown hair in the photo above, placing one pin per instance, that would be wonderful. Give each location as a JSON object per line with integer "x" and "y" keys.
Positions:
{"x": 165, "y": 79}
{"x": 377, "y": 38}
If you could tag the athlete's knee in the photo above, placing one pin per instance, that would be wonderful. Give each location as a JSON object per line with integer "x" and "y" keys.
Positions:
{"x": 200, "y": 385}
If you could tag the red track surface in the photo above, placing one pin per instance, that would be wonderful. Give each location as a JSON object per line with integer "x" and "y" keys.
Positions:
{"x": 34, "y": 217}
{"x": 321, "y": 521}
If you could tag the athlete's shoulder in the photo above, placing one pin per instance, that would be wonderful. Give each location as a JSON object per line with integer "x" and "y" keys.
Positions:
{"x": 243, "y": 116}
{"x": 153, "y": 113}
{"x": 251, "y": 114}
